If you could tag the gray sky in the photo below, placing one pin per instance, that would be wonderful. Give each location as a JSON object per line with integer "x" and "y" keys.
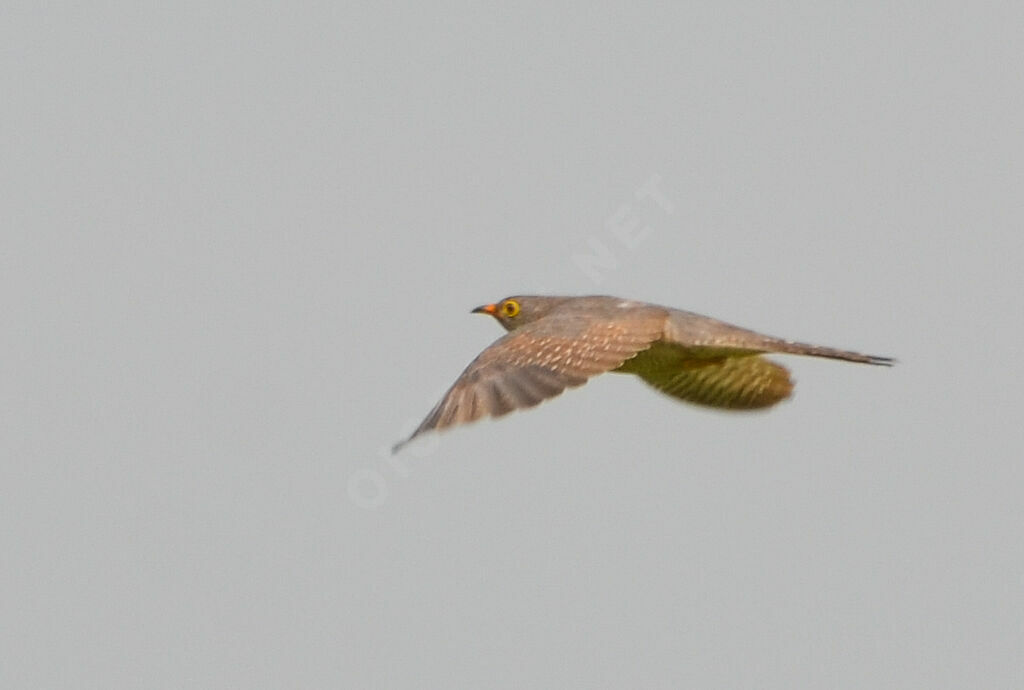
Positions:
{"x": 240, "y": 246}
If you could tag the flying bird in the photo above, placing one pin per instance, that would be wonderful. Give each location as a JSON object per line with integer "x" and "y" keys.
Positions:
{"x": 554, "y": 343}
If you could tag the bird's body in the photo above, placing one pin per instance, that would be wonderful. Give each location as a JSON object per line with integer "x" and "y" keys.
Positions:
{"x": 556, "y": 343}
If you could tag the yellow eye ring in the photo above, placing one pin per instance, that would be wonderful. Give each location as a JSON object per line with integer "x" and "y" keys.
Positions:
{"x": 510, "y": 307}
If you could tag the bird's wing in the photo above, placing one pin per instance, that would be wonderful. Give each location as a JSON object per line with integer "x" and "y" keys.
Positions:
{"x": 709, "y": 362}
{"x": 740, "y": 383}
{"x": 540, "y": 360}
{"x": 702, "y": 336}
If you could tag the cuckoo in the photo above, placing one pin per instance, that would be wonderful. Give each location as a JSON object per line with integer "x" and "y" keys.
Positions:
{"x": 554, "y": 343}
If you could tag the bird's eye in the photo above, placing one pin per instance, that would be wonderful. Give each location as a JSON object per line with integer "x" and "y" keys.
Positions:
{"x": 510, "y": 307}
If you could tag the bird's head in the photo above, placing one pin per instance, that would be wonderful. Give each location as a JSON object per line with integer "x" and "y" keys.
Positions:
{"x": 513, "y": 312}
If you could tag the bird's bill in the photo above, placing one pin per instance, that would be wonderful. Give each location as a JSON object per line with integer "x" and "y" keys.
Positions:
{"x": 486, "y": 309}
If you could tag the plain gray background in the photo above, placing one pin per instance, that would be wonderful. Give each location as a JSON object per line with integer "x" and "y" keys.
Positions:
{"x": 240, "y": 244}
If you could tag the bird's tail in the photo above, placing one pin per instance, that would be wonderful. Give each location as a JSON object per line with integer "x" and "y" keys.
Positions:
{"x": 792, "y": 348}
